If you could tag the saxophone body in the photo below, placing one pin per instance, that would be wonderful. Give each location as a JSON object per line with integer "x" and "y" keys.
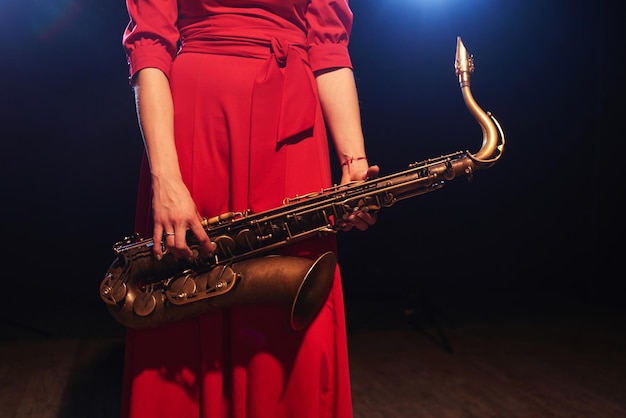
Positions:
{"x": 142, "y": 292}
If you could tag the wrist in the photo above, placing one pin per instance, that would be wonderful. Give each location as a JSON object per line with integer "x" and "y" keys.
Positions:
{"x": 348, "y": 161}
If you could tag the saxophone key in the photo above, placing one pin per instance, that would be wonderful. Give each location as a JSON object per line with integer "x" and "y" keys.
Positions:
{"x": 144, "y": 304}
{"x": 182, "y": 288}
{"x": 247, "y": 239}
{"x": 112, "y": 291}
{"x": 226, "y": 246}
{"x": 217, "y": 220}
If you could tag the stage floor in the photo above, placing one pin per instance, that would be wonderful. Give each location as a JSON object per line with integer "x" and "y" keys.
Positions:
{"x": 436, "y": 359}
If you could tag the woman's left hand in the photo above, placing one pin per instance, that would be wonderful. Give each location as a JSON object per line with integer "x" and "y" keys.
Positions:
{"x": 360, "y": 220}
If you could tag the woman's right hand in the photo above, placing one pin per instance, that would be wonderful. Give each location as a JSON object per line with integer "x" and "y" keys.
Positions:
{"x": 175, "y": 213}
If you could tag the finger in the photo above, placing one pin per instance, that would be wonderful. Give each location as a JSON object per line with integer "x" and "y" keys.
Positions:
{"x": 206, "y": 245}
{"x": 158, "y": 242}
{"x": 344, "y": 223}
{"x": 362, "y": 220}
{"x": 367, "y": 217}
{"x": 169, "y": 240}
{"x": 359, "y": 223}
{"x": 177, "y": 243}
{"x": 345, "y": 226}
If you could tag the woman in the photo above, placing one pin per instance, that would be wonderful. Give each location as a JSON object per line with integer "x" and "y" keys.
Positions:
{"x": 234, "y": 99}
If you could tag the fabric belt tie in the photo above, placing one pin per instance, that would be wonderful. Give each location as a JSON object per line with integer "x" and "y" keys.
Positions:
{"x": 284, "y": 103}
{"x": 283, "y": 111}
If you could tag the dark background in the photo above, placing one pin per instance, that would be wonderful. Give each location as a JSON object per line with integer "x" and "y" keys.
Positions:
{"x": 544, "y": 223}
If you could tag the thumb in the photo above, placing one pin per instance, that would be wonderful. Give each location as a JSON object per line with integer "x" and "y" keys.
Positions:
{"x": 372, "y": 172}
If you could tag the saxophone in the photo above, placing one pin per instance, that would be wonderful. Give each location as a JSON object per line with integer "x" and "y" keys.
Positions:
{"x": 142, "y": 292}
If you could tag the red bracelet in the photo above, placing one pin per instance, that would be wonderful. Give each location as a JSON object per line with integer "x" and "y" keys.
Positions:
{"x": 350, "y": 160}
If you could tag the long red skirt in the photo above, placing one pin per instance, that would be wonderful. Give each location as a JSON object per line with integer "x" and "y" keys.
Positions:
{"x": 244, "y": 361}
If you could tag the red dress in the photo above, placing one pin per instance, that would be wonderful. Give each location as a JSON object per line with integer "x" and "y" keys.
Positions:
{"x": 249, "y": 132}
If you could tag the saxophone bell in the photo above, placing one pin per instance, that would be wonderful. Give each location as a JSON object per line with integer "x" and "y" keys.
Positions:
{"x": 297, "y": 283}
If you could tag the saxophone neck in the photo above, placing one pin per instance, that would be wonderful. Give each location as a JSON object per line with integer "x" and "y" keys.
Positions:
{"x": 493, "y": 137}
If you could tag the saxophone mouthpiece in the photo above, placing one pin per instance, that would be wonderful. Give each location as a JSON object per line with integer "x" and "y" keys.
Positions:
{"x": 464, "y": 63}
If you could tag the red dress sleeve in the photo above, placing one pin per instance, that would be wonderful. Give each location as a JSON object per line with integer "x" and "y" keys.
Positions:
{"x": 329, "y": 25}
{"x": 151, "y": 37}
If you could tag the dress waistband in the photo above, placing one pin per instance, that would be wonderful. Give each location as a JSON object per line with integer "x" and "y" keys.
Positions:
{"x": 213, "y": 43}
{"x": 284, "y": 84}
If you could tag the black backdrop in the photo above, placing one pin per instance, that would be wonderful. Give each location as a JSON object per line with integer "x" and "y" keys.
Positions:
{"x": 545, "y": 220}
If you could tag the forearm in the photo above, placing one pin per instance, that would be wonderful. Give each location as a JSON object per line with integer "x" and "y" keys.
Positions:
{"x": 174, "y": 209}
{"x": 156, "y": 118}
{"x": 340, "y": 104}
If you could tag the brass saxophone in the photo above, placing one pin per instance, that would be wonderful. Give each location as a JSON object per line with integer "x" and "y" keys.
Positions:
{"x": 141, "y": 292}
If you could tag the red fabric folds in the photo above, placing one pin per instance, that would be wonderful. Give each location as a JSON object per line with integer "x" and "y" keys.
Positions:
{"x": 249, "y": 133}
